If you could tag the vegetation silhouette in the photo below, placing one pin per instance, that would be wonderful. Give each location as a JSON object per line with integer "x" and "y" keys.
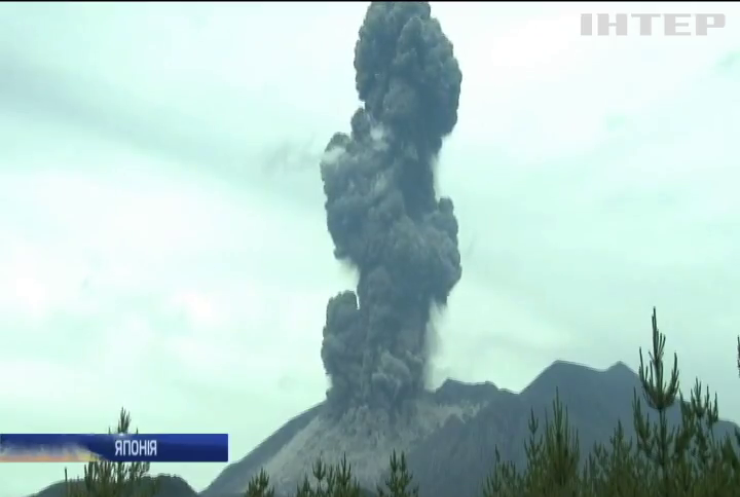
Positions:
{"x": 114, "y": 479}
{"x": 662, "y": 460}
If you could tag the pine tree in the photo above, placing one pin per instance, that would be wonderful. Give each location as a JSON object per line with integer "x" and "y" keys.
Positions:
{"x": 657, "y": 442}
{"x": 505, "y": 480}
{"x": 615, "y": 471}
{"x": 114, "y": 479}
{"x": 330, "y": 481}
{"x": 304, "y": 489}
{"x": 687, "y": 460}
{"x": 342, "y": 483}
{"x": 552, "y": 461}
{"x": 323, "y": 477}
{"x": 400, "y": 481}
{"x": 680, "y": 461}
{"x": 562, "y": 452}
{"x": 259, "y": 486}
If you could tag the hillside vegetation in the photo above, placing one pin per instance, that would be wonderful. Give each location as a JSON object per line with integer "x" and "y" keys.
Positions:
{"x": 686, "y": 460}
{"x": 662, "y": 459}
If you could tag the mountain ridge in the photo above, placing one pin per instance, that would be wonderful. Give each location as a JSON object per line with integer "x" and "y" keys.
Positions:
{"x": 456, "y": 427}
{"x": 463, "y": 444}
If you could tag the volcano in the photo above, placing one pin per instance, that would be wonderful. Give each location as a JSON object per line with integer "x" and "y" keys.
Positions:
{"x": 449, "y": 437}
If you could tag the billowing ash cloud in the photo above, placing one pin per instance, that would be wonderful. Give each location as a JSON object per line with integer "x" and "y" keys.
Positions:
{"x": 382, "y": 211}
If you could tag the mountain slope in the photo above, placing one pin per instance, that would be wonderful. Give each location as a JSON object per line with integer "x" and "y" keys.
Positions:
{"x": 233, "y": 479}
{"x": 449, "y": 439}
{"x": 451, "y": 450}
{"x": 595, "y": 400}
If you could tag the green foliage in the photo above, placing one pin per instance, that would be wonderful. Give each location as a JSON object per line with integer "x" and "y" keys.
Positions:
{"x": 552, "y": 461}
{"x": 663, "y": 459}
{"x": 400, "y": 481}
{"x": 328, "y": 481}
{"x": 114, "y": 479}
{"x": 259, "y": 486}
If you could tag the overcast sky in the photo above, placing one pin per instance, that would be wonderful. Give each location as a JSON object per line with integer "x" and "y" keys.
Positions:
{"x": 163, "y": 244}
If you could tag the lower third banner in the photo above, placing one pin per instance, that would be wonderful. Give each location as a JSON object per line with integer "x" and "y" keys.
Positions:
{"x": 167, "y": 447}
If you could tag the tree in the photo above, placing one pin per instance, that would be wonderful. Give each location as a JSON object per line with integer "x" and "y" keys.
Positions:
{"x": 259, "y": 486}
{"x": 687, "y": 460}
{"x": 400, "y": 481}
{"x": 330, "y": 481}
{"x": 657, "y": 442}
{"x": 114, "y": 479}
{"x": 684, "y": 460}
{"x": 552, "y": 461}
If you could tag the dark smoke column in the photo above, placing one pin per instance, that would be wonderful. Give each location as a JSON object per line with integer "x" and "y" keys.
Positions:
{"x": 382, "y": 211}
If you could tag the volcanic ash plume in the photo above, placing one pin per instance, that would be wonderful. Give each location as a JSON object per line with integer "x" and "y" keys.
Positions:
{"x": 382, "y": 211}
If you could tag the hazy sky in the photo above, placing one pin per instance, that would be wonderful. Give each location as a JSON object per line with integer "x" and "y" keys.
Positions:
{"x": 162, "y": 235}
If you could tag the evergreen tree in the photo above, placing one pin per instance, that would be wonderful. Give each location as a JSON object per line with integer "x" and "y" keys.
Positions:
{"x": 561, "y": 453}
{"x": 400, "y": 481}
{"x": 657, "y": 442}
{"x": 259, "y": 486}
{"x": 615, "y": 471}
{"x": 686, "y": 460}
{"x": 342, "y": 483}
{"x": 330, "y": 481}
{"x": 552, "y": 461}
{"x": 114, "y": 479}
